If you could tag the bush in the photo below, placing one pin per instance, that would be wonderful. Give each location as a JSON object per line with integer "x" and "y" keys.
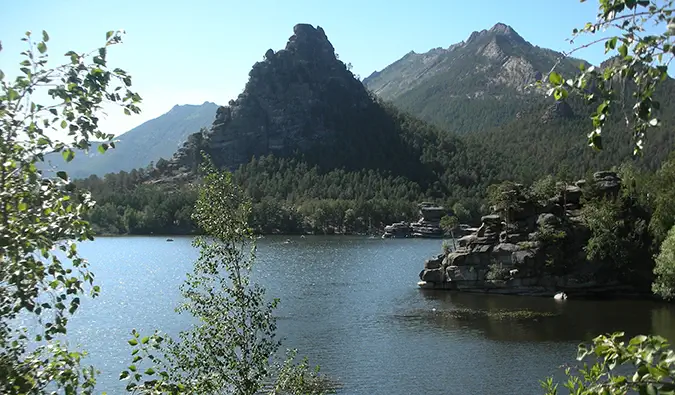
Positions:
{"x": 544, "y": 188}
{"x": 497, "y": 272}
{"x": 619, "y": 237}
{"x": 664, "y": 283}
{"x": 448, "y": 246}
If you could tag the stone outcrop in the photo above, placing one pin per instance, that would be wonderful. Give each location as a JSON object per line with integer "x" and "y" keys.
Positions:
{"x": 510, "y": 251}
{"x": 428, "y": 226}
{"x": 397, "y": 230}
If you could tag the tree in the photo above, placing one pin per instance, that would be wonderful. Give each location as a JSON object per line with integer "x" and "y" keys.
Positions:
{"x": 664, "y": 284}
{"x": 449, "y": 223}
{"x": 41, "y": 218}
{"x": 640, "y": 63}
{"x": 649, "y": 361}
{"x": 462, "y": 213}
{"x": 232, "y": 344}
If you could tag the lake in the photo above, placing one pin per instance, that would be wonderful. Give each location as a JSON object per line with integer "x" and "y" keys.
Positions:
{"x": 351, "y": 304}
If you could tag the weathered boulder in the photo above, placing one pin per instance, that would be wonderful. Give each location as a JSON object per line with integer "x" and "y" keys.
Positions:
{"x": 512, "y": 238}
{"x": 434, "y": 263}
{"x": 432, "y": 213}
{"x": 607, "y": 182}
{"x": 432, "y": 275}
{"x": 461, "y": 273}
{"x": 491, "y": 220}
{"x": 503, "y": 252}
{"x": 397, "y": 230}
{"x": 466, "y": 240}
{"x": 523, "y": 258}
{"x": 547, "y": 219}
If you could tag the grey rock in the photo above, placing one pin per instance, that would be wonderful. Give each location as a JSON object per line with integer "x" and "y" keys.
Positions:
{"x": 523, "y": 258}
{"x": 462, "y": 273}
{"x": 492, "y": 219}
{"x": 433, "y": 263}
{"x": 481, "y": 249}
{"x": 432, "y": 275}
{"x": 547, "y": 220}
{"x": 466, "y": 240}
{"x": 513, "y": 238}
{"x": 506, "y": 248}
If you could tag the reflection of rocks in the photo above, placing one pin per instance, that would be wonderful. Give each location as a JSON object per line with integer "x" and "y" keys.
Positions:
{"x": 513, "y": 251}
{"x": 429, "y": 226}
{"x": 506, "y": 319}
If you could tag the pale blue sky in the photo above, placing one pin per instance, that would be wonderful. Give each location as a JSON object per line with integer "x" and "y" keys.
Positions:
{"x": 183, "y": 52}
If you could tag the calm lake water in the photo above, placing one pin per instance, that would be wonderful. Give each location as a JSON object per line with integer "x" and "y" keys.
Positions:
{"x": 352, "y": 305}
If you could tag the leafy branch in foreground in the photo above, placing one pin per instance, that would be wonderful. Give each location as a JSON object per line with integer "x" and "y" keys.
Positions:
{"x": 651, "y": 358}
{"x": 232, "y": 346}
{"x": 42, "y": 277}
{"x": 640, "y": 63}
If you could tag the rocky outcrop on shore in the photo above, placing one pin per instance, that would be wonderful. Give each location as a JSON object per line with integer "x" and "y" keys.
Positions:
{"x": 429, "y": 225}
{"x": 527, "y": 248}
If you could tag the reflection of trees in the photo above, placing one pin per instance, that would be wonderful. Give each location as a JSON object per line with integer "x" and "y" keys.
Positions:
{"x": 572, "y": 320}
{"x": 663, "y": 322}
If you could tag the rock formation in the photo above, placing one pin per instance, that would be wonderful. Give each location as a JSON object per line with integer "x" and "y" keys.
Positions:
{"x": 429, "y": 226}
{"x": 514, "y": 250}
{"x": 301, "y": 101}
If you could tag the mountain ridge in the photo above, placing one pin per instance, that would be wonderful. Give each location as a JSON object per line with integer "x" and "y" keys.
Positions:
{"x": 156, "y": 138}
{"x": 491, "y": 71}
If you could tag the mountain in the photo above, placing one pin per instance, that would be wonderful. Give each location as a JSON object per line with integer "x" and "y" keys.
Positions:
{"x": 318, "y": 152}
{"x": 303, "y": 102}
{"x": 472, "y": 85}
{"x": 148, "y": 142}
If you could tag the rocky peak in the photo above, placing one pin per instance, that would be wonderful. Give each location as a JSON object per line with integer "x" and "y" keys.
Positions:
{"x": 502, "y": 29}
{"x": 309, "y": 40}
{"x": 296, "y": 99}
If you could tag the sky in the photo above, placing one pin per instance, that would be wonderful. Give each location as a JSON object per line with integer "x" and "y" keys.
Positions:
{"x": 188, "y": 52}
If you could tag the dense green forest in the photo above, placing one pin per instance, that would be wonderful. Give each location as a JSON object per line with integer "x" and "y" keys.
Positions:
{"x": 296, "y": 195}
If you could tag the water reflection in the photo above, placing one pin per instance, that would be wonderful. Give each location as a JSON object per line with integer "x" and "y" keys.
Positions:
{"x": 551, "y": 321}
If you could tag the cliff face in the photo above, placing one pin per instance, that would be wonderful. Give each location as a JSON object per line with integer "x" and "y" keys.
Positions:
{"x": 299, "y": 100}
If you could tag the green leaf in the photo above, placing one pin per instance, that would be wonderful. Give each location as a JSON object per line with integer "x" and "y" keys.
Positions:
{"x": 62, "y": 175}
{"x": 133, "y": 342}
{"x": 150, "y": 371}
{"x": 23, "y": 206}
{"x": 623, "y": 50}
{"x": 555, "y": 78}
{"x": 595, "y": 142}
{"x": 102, "y": 148}
{"x": 68, "y": 155}
{"x": 42, "y": 47}
{"x": 560, "y": 94}
{"x": 109, "y": 34}
{"x": 124, "y": 375}
{"x": 64, "y": 124}
{"x": 45, "y": 36}
{"x": 12, "y": 94}
{"x": 145, "y": 340}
